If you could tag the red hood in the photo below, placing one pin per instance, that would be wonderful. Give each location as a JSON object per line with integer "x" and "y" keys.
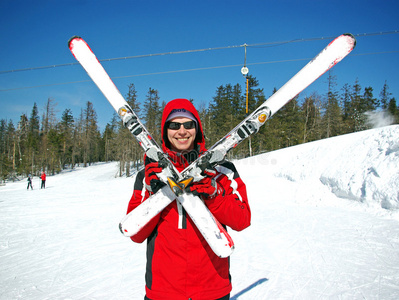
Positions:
{"x": 186, "y": 104}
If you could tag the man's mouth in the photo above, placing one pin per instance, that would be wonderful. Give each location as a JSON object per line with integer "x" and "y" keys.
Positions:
{"x": 182, "y": 139}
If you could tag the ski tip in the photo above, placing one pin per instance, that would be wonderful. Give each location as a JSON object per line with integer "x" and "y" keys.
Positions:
{"x": 71, "y": 39}
{"x": 352, "y": 37}
{"x": 120, "y": 228}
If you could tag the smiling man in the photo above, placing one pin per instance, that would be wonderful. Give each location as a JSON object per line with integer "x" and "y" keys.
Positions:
{"x": 180, "y": 264}
{"x": 181, "y": 131}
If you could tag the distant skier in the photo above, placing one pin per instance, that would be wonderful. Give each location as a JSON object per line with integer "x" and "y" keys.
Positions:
{"x": 43, "y": 177}
{"x": 29, "y": 182}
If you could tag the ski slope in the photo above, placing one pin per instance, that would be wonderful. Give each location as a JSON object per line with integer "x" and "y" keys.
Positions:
{"x": 325, "y": 225}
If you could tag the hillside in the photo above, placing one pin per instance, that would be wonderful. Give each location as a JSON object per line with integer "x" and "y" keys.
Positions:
{"x": 324, "y": 226}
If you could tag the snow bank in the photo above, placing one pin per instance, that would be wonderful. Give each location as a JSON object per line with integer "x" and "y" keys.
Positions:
{"x": 363, "y": 166}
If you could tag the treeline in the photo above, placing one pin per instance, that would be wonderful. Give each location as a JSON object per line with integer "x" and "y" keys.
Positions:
{"x": 342, "y": 110}
{"x": 38, "y": 143}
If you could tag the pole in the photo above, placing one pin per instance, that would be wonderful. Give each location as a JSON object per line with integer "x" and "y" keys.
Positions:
{"x": 246, "y": 111}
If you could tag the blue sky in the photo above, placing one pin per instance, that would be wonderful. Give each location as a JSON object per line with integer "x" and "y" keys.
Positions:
{"x": 35, "y": 34}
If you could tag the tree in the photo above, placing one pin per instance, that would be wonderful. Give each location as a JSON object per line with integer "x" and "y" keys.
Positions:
{"x": 110, "y": 138}
{"x": 66, "y": 132}
{"x": 358, "y": 108}
{"x": 152, "y": 114}
{"x": 21, "y": 154}
{"x": 34, "y": 127}
{"x": 49, "y": 119}
{"x": 312, "y": 118}
{"x": 370, "y": 103}
{"x": 128, "y": 150}
{"x": 255, "y": 98}
{"x": 384, "y": 96}
{"x": 393, "y": 110}
{"x": 291, "y": 125}
{"x": 220, "y": 110}
{"x": 332, "y": 117}
{"x": 91, "y": 135}
{"x": 5, "y": 155}
{"x": 49, "y": 122}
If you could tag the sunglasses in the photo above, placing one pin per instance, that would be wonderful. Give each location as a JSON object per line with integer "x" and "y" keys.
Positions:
{"x": 177, "y": 125}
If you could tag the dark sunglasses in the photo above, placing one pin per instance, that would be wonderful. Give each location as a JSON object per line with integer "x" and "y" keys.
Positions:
{"x": 176, "y": 125}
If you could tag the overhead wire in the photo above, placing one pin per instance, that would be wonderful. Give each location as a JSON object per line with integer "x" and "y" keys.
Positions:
{"x": 258, "y": 45}
{"x": 189, "y": 70}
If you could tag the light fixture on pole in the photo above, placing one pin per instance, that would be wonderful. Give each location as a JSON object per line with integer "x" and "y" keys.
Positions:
{"x": 244, "y": 72}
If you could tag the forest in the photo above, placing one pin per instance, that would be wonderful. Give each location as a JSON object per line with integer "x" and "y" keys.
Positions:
{"x": 53, "y": 143}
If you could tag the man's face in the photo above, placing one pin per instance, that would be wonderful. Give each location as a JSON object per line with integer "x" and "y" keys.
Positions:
{"x": 181, "y": 139}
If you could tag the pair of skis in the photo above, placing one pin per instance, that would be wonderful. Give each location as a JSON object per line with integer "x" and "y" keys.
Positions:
{"x": 213, "y": 232}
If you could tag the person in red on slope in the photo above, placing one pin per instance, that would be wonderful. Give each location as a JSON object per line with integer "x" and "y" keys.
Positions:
{"x": 180, "y": 263}
{"x": 43, "y": 177}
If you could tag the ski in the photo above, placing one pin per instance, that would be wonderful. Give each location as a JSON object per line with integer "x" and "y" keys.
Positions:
{"x": 325, "y": 60}
{"x": 132, "y": 223}
{"x": 220, "y": 242}
{"x": 213, "y": 232}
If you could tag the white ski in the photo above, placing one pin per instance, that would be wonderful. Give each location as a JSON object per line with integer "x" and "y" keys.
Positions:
{"x": 220, "y": 242}
{"x": 213, "y": 232}
{"x": 134, "y": 221}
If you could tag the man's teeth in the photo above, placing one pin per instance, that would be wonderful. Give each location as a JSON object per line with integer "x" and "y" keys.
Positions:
{"x": 182, "y": 139}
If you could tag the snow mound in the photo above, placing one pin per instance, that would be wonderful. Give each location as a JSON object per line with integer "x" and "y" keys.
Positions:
{"x": 362, "y": 166}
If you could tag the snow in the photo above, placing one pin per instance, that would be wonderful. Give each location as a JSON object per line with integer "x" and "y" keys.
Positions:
{"x": 324, "y": 226}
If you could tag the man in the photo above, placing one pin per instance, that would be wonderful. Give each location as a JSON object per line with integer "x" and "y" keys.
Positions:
{"x": 180, "y": 264}
{"x": 29, "y": 183}
{"x": 43, "y": 177}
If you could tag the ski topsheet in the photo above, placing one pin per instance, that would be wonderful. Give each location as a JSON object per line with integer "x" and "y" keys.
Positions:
{"x": 213, "y": 232}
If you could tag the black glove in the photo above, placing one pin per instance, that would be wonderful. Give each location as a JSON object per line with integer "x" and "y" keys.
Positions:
{"x": 152, "y": 181}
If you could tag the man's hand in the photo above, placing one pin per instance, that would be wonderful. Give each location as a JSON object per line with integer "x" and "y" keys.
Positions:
{"x": 152, "y": 181}
{"x": 207, "y": 187}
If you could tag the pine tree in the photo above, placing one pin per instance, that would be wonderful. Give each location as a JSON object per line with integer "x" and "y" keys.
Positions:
{"x": 152, "y": 114}
{"x": 292, "y": 126}
{"x": 4, "y": 160}
{"x": 332, "y": 116}
{"x": 393, "y": 110}
{"x": 66, "y": 132}
{"x": 220, "y": 112}
{"x": 8, "y": 149}
{"x": 110, "y": 138}
{"x": 128, "y": 149}
{"x": 22, "y": 157}
{"x": 384, "y": 96}
{"x": 49, "y": 122}
{"x": 347, "y": 109}
{"x": 54, "y": 144}
{"x": 79, "y": 140}
{"x": 256, "y": 96}
{"x": 34, "y": 127}
{"x": 369, "y": 102}
{"x": 311, "y": 118}
{"x": 91, "y": 134}
{"x": 357, "y": 104}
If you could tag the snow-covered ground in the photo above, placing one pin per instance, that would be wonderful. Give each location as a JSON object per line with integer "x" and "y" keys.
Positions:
{"x": 325, "y": 225}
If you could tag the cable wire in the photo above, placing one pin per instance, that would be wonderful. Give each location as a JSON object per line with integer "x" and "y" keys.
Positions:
{"x": 259, "y": 45}
{"x": 189, "y": 70}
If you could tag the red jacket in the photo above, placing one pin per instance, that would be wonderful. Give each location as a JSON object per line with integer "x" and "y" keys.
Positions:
{"x": 180, "y": 263}
{"x": 43, "y": 177}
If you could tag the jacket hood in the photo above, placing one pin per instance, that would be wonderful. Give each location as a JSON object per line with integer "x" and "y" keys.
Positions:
{"x": 181, "y": 104}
